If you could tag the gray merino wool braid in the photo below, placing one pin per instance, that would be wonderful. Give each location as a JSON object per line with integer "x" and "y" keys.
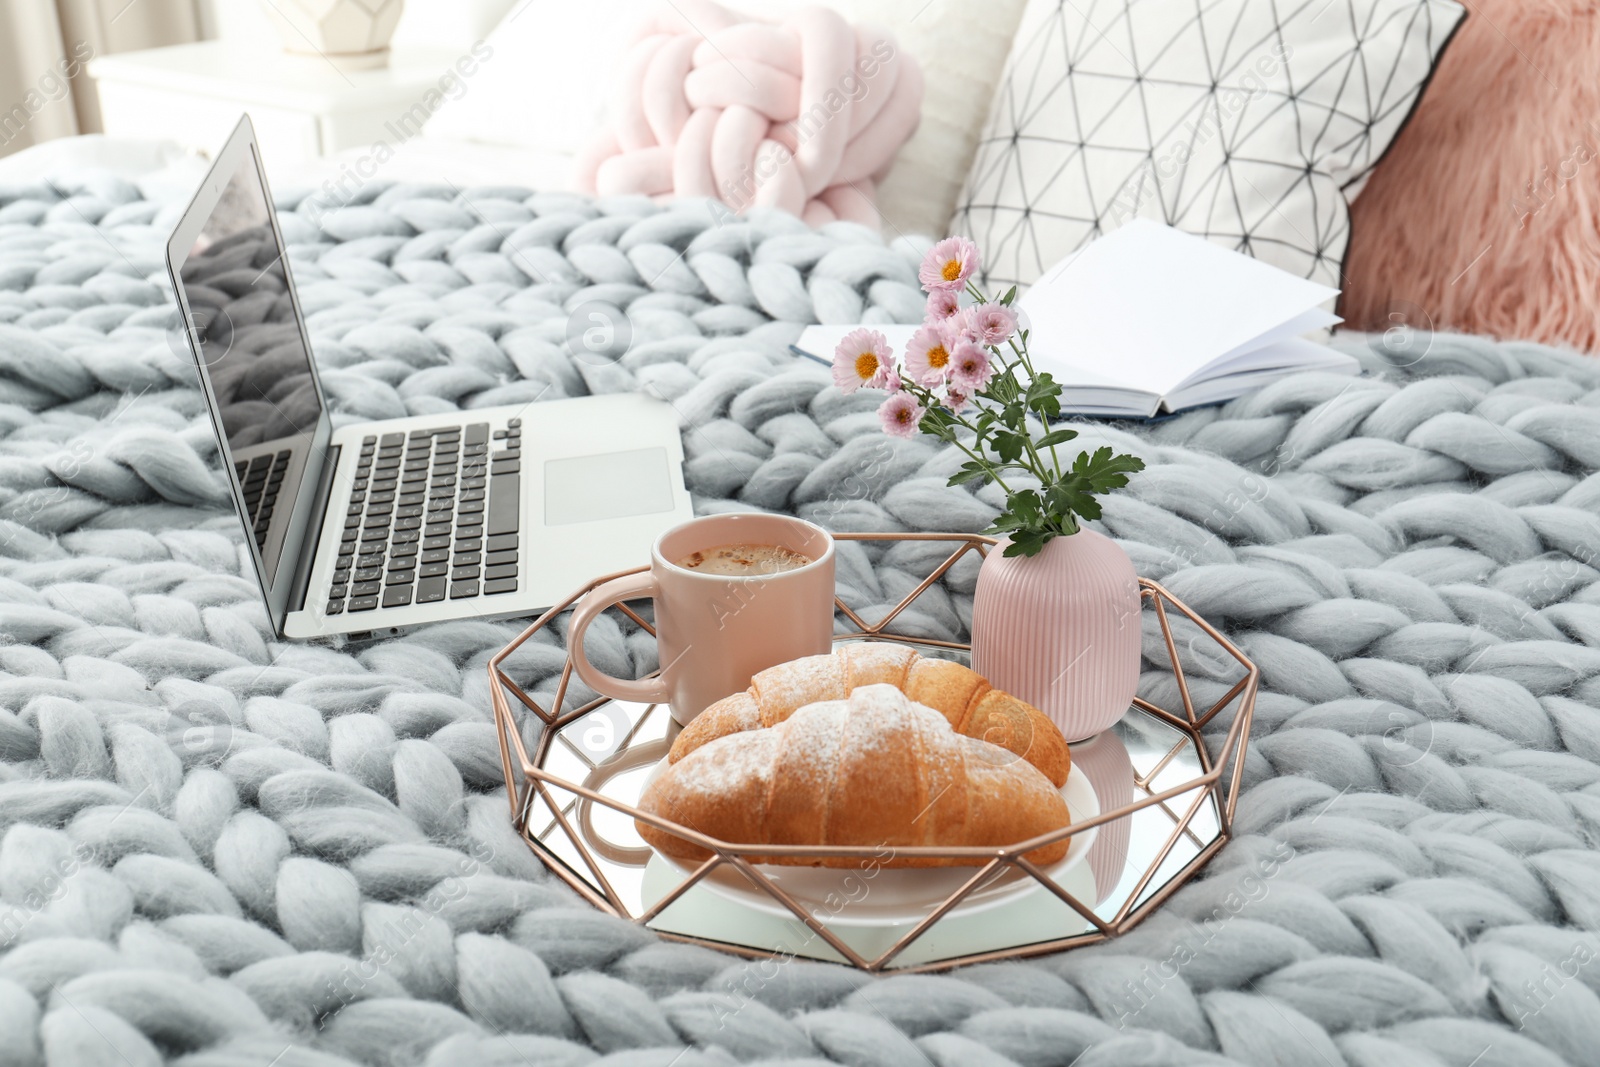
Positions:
{"x": 217, "y": 848}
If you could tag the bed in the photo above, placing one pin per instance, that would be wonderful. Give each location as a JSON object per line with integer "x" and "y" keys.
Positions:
{"x": 207, "y": 830}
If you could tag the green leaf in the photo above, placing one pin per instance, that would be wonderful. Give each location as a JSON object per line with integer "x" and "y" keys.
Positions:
{"x": 1104, "y": 471}
{"x": 1043, "y": 396}
{"x": 1025, "y": 504}
{"x": 1042, "y": 386}
{"x": 1026, "y": 543}
{"x": 1011, "y": 294}
{"x": 1055, "y": 437}
{"x": 1071, "y": 496}
{"x": 972, "y": 472}
{"x": 1009, "y": 445}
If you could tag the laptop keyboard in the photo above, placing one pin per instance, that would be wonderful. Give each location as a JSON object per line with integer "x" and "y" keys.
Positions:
{"x": 261, "y": 478}
{"x": 432, "y": 515}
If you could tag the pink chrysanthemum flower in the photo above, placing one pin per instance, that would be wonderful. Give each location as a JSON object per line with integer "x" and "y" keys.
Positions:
{"x": 990, "y": 324}
{"x": 949, "y": 264}
{"x": 928, "y": 356}
{"x": 956, "y": 400}
{"x": 957, "y": 330}
{"x": 893, "y": 383}
{"x": 863, "y": 358}
{"x": 970, "y": 369}
{"x": 942, "y": 305}
{"x": 901, "y": 414}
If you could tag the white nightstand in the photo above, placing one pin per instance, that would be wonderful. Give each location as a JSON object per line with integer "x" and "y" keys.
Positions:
{"x": 301, "y": 107}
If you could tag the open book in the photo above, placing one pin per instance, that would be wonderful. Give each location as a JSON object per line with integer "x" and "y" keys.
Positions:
{"x": 1149, "y": 319}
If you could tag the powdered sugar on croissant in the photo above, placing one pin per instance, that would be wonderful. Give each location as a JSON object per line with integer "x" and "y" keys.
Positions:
{"x": 965, "y": 698}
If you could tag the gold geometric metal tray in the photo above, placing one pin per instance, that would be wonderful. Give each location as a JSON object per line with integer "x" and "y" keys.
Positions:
{"x": 575, "y": 765}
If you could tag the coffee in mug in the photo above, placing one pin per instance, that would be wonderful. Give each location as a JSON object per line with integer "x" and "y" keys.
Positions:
{"x": 737, "y": 561}
{"x": 734, "y": 594}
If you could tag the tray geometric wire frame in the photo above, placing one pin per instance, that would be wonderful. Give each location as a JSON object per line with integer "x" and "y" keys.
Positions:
{"x": 565, "y": 806}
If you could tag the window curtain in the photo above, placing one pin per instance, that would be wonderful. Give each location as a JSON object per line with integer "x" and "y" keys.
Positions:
{"x": 45, "y": 48}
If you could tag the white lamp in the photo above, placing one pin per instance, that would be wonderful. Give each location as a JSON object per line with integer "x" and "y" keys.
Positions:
{"x": 352, "y": 34}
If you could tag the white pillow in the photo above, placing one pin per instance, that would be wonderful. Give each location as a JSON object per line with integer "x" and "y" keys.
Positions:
{"x": 547, "y": 77}
{"x": 1238, "y": 120}
{"x": 553, "y": 65}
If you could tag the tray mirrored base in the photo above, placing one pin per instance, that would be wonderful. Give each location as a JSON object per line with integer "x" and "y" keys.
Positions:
{"x": 1129, "y": 867}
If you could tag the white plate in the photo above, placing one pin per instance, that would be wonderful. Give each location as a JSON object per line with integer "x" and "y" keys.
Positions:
{"x": 895, "y": 896}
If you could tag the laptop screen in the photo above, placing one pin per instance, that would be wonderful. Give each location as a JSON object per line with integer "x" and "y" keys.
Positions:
{"x": 252, "y": 351}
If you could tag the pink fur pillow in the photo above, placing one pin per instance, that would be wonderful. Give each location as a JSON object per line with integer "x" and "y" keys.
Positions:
{"x": 1485, "y": 216}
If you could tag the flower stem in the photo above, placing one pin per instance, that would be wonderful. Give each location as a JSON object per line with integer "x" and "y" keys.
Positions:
{"x": 1038, "y": 467}
{"x": 981, "y": 455}
{"x": 1022, "y": 354}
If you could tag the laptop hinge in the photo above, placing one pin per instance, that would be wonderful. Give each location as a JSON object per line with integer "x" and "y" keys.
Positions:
{"x": 307, "y": 555}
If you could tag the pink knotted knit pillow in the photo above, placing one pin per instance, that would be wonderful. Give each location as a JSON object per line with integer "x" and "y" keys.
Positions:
{"x": 1485, "y": 215}
{"x": 804, "y": 114}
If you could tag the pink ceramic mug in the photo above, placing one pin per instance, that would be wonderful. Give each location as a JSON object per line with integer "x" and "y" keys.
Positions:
{"x": 714, "y": 631}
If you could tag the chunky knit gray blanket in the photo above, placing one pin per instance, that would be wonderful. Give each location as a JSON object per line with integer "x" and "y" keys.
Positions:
{"x": 224, "y": 849}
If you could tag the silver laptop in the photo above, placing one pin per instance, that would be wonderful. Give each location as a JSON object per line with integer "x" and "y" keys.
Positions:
{"x": 374, "y": 528}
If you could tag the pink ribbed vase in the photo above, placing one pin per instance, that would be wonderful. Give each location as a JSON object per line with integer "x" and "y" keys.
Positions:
{"x": 1061, "y": 630}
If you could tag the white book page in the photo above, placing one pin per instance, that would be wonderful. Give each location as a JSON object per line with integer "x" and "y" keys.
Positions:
{"x": 1265, "y": 350}
{"x": 1121, "y": 403}
{"x": 1292, "y": 356}
{"x": 1149, "y": 306}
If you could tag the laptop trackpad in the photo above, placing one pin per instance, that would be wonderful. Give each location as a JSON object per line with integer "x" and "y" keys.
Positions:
{"x": 611, "y": 485}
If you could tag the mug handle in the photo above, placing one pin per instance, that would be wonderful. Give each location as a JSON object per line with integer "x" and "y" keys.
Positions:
{"x": 628, "y": 587}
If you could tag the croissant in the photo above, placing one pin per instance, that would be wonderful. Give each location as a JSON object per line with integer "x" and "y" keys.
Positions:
{"x": 963, "y": 697}
{"x": 874, "y": 769}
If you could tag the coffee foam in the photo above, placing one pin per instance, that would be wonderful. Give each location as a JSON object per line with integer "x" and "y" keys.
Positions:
{"x": 743, "y": 560}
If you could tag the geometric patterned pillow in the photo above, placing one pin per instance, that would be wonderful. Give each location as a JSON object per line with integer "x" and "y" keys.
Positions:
{"x": 1243, "y": 121}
